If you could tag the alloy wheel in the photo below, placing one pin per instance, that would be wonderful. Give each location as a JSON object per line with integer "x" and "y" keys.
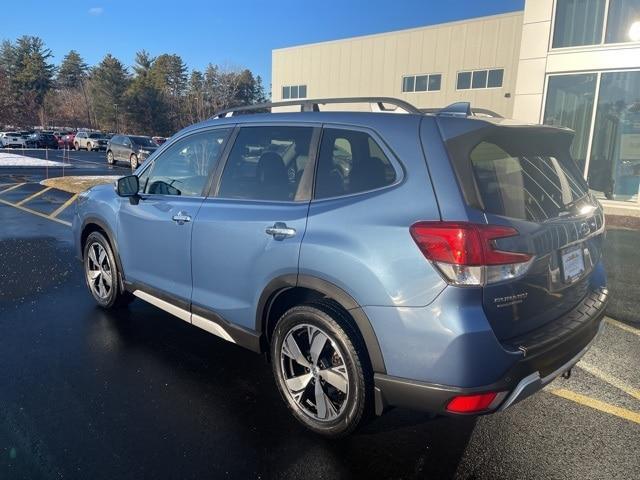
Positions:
{"x": 99, "y": 272}
{"x": 315, "y": 373}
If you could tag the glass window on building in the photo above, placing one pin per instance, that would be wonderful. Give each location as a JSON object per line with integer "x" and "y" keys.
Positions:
{"x": 408, "y": 84}
{"x": 421, "y": 83}
{"x": 434, "y": 82}
{"x": 464, "y": 81}
{"x": 623, "y": 21}
{"x": 578, "y": 22}
{"x": 495, "y": 78}
{"x": 286, "y": 93}
{"x": 614, "y": 167}
{"x": 569, "y": 104}
{"x": 302, "y": 91}
{"x": 479, "y": 79}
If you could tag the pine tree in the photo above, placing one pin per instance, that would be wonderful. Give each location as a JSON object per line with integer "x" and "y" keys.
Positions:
{"x": 109, "y": 82}
{"x": 72, "y": 71}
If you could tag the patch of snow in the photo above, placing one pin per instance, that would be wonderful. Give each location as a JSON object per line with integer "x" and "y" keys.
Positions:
{"x": 13, "y": 160}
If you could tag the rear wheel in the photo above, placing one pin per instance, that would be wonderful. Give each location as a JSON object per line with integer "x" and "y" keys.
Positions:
{"x": 89, "y": 147}
{"x": 321, "y": 369}
{"x": 110, "y": 157}
{"x": 134, "y": 161}
{"x": 101, "y": 273}
{"x": 76, "y": 146}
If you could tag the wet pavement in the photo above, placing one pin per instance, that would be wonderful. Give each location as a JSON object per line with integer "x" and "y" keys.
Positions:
{"x": 135, "y": 394}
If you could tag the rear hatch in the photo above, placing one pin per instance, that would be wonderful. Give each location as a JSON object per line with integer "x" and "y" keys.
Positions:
{"x": 523, "y": 177}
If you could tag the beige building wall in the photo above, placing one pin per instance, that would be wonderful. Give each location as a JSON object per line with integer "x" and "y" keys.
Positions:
{"x": 374, "y": 65}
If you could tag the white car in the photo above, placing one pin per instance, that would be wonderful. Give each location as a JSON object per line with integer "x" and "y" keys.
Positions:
{"x": 12, "y": 139}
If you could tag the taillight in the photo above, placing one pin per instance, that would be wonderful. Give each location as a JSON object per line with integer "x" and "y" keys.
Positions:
{"x": 478, "y": 403}
{"x": 465, "y": 253}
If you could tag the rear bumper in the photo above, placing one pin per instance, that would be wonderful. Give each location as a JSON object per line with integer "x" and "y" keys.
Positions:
{"x": 546, "y": 355}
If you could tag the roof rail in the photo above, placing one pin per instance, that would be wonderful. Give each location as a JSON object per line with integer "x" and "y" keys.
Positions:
{"x": 476, "y": 112}
{"x": 378, "y": 104}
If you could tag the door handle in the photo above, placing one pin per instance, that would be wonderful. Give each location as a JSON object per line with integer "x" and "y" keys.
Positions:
{"x": 280, "y": 231}
{"x": 181, "y": 218}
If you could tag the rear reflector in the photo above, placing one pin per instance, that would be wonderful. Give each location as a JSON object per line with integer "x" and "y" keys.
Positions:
{"x": 466, "y": 254}
{"x": 472, "y": 403}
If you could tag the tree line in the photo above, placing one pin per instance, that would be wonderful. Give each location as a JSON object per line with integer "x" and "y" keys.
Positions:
{"x": 158, "y": 96}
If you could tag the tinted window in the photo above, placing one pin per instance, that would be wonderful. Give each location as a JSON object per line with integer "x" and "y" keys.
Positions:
{"x": 623, "y": 21}
{"x": 408, "y": 84}
{"x": 286, "y": 92}
{"x": 350, "y": 162}
{"x": 522, "y": 184}
{"x": 95, "y": 135}
{"x": 183, "y": 169}
{"x": 302, "y": 91}
{"x": 578, "y": 22}
{"x": 464, "y": 80}
{"x": 434, "y": 82}
{"x": 266, "y": 163}
{"x": 479, "y": 79}
{"x": 421, "y": 83}
{"x": 495, "y": 78}
{"x": 144, "y": 142}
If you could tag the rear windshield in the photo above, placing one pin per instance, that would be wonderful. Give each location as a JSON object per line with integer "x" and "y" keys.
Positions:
{"x": 534, "y": 183}
{"x": 144, "y": 141}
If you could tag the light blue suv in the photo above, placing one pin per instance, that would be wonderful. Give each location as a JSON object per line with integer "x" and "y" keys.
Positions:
{"x": 444, "y": 262}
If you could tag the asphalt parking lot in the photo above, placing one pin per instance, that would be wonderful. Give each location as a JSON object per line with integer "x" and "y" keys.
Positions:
{"x": 138, "y": 394}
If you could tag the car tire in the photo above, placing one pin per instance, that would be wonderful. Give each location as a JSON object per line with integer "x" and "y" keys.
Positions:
{"x": 110, "y": 158}
{"x": 89, "y": 147}
{"x": 76, "y": 146}
{"x": 133, "y": 159}
{"x": 332, "y": 393}
{"x": 101, "y": 273}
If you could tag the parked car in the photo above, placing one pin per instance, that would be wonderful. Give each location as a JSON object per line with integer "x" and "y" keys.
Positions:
{"x": 67, "y": 140}
{"x": 42, "y": 140}
{"x": 12, "y": 139}
{"x": 455, "y": 266}
{"x": 89, "y": 141}
{"x": 134, "y": 149}
{"x": 159, "y": 140}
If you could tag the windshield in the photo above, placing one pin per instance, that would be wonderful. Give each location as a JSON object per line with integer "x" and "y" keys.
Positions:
{"x": 144, "y": 142}
{"x": 95, "y": 135}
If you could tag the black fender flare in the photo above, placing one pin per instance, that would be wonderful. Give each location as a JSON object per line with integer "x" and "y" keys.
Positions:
{"x": 280, "y": 284}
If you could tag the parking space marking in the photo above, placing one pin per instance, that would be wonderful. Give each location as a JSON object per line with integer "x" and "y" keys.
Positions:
{"x": 597, "y": 405}
{"x": 34, "y": 212}
{"x": 62, "y": 207}
{"x": 610, "y": 379}
{"x": 11, "y": 188}
{"x": 35, "y": 195}
{"x": 623, "y": 326}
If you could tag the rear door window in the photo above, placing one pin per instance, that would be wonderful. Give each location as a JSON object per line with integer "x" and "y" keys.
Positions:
{"x": 525, "y": 184}
{"x": 351, "y": 162}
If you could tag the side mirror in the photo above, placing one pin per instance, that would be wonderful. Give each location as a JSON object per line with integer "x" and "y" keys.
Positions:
{"x": 128, "y": 186}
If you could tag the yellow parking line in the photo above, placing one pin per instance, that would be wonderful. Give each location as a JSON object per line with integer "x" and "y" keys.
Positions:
{"x": 622, "y": 326}
{"x": 37, "y": 194}
{"x": 610, "y": 379}
{"x": 39, "y": 214}
{"x": 597, "y": 405}
{"x": 11, "y": 188}
{"x": 59, "y": 210}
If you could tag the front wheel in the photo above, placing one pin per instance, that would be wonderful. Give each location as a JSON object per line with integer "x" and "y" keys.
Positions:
{"x": 321, "y": 369}
{"x": 101, "y": 273}
{"x": 134, "y": 161}
{"x": 110, "y": 158}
